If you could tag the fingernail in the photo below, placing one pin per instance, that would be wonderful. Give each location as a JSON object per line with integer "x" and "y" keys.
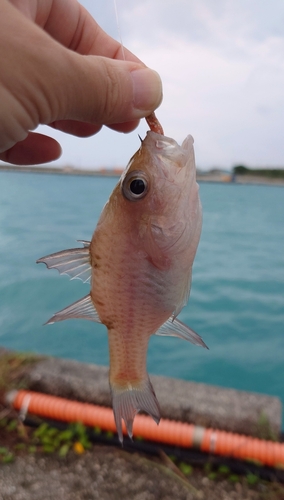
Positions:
{"x": 147, "y": 91}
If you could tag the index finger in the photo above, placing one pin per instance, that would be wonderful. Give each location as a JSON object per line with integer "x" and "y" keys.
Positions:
{"x": 79, "y": 31}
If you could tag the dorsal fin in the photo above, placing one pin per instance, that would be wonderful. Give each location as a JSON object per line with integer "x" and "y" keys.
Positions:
{"x": 75, "y": 262}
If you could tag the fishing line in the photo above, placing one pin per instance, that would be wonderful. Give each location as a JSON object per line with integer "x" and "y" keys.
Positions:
{"x": 151, "y": 120}
{"x": 118, "y": 29}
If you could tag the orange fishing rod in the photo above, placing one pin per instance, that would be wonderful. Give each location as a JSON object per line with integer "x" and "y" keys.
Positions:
{"x": 168, "y": 432}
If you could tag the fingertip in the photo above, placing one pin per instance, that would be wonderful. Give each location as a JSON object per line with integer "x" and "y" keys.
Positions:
{"x": 112, "y": 91}
{"x": 126, "y": 127}
{"x": 75, "y": 127}
{"x": 147, "y": 91}
{"x": 36, "y": 148}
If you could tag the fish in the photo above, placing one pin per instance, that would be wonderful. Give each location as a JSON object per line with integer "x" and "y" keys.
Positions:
{"x": 139, "y": 266}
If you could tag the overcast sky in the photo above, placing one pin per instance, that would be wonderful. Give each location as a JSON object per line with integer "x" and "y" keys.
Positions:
{"x": 222, "y": 67}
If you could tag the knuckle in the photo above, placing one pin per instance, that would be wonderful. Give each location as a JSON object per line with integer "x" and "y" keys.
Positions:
{"x": 117, "y": 94}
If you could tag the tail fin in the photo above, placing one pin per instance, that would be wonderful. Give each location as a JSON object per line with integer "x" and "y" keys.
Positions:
{"x": 128, "y": 400}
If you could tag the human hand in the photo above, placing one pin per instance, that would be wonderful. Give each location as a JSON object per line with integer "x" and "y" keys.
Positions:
{"x": 58, "y": 67}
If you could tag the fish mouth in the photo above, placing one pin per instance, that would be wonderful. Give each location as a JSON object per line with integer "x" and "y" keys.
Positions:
{"x": 167, "y": 148}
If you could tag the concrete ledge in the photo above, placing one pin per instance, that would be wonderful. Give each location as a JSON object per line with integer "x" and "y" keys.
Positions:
{"x": 201, "y": 404}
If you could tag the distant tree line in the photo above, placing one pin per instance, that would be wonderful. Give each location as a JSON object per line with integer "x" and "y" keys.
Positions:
{"x": 275, "y": 173}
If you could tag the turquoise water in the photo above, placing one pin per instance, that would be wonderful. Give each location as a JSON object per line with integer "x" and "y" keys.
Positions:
{"x": 237, "y": 297}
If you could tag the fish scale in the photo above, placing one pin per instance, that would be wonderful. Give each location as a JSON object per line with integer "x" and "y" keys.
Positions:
{"x": 139, "y": 263}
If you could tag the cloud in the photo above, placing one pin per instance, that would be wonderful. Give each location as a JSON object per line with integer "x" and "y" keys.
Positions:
{"x": 223, "y": 75}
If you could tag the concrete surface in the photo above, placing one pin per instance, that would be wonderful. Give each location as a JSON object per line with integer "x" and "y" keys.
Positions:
{"x": 206, "y": 405}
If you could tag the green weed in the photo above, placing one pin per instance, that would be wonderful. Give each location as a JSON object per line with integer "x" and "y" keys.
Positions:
{"x": 252, "y": 479}
{"x": 185, "y": 468}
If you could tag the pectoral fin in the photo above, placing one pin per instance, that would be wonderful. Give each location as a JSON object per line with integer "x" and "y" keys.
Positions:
{"x": 175, "y": 328}
{"x": 156, "y": 255}
{"x": 81, "y": 309}
{"x": 75, "y": 262}
{"x": 184, "y": 294}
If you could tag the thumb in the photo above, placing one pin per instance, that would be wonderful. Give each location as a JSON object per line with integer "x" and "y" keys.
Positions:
{"x": 41, "y": 82}
{"x": 106, "y": 91}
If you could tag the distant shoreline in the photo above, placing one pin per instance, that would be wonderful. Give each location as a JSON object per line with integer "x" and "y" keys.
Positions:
{"x": 218, "y": 177}
{"x": 61, "y": 171}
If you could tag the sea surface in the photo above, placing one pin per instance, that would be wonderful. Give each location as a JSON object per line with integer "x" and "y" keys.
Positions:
{"x": 237, "y": 296}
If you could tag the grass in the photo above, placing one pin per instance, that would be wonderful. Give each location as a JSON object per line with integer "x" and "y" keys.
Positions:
{"x": 45, "y": 439}
{"x": 13, "y": 369}
{"x": 264, "y": 430}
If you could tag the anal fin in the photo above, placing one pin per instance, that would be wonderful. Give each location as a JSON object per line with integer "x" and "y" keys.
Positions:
{"x": 175, "y": 328}
{"x": 129, "y": 399}
{"x": 81, "y": 309}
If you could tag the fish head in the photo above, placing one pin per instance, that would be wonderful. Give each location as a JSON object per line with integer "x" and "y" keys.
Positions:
{"x": 160, "y": 177}
{"x": 156, "y": 202}
{"x": 160, "y": 192}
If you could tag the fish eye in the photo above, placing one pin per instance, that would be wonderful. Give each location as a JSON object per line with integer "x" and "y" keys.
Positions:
{"x": 135, "y": 186}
